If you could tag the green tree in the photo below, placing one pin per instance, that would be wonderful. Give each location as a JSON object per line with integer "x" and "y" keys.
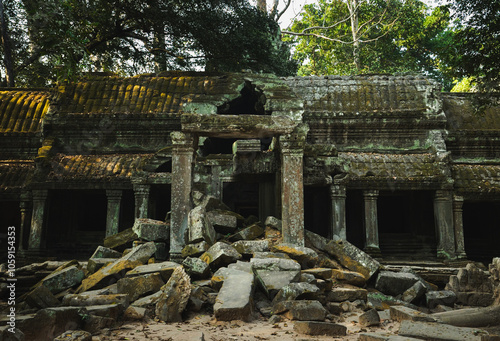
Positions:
{"x": 360, "y": 36}
{"x": 58, "y": 39}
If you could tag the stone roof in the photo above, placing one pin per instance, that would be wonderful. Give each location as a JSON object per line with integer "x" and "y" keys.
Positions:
{"x": 461, "y": 116}
{"x": 22, "y": 111}
{"x": 477, "y": 178}
{"x": 15, "y": 174}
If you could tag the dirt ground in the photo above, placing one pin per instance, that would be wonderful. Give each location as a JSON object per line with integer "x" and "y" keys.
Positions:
{"x": 260, "y": 329}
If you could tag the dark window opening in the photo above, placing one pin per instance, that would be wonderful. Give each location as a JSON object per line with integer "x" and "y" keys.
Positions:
{"x": 159, "y": 206}
{"x": 354, "y": 218}
{"x": 216, "y": 145}
{"x": 76, "y": 222}
{"x": 127, "y": 210}
{"x": 481, "y": 230}
{"x": 165, "y": 167}
{"x": 317, "y": 210}
{"x": 11, "y": 216}
{"x": 242, "y": 197}
{"x": 251, "y": 102}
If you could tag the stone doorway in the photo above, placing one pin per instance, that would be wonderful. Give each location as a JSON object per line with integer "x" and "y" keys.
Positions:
{"x": 318, "y": 210}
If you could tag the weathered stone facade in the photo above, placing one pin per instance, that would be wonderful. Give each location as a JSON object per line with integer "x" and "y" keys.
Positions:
{"x": 387, "y": 162}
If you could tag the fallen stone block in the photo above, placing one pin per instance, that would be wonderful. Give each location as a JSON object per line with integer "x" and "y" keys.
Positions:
{"x": 249, "y": 247}
{"x": 148, "y": 301}
{"x": 305, "y": 256}
{"x": 322, "y": 273}
{"x": 319, "y": 328}
{"x": 471, "y": 317}
{"x": 297, "y": 291}
{"x": 197, "y": 299}
{"x": 348, "y": 277}
{"x": 141, "y": 253}
{"x": 41, "y": 297}
{"x": 347, "y": 294}
{"x": 174, "y": 297}
{"x": 275, "y": 273}
{"x": 315, "y": 240}
{"x": 138, "y": 286}
{"x": 401, "y": 313}
{"x": 196, "y": 268}
{"x": 151, "y": 230}
{"x": 113, "y": 311}
{"x": 208, "y": 202}
{"x": 438, "y": 331}
{"x": 133, "y": 313}
{"x": 219, "y": 277}
{"x": 242, "y": 266}
{"x": 275, "y": 264}
{"x": 195, "y": 250}
{"x": 94, "y": 264}
{"x": 274, "y": 223}
{"x": 303, "y": 310}
{"x": 82, "y": 300}
{"x": 6, "y": 334}
{"x": 120, "y": 240}
{"x": 224, "y": 222}
{"x": 384, "y": 337}
{"x": 369, "y": 318}
{"x": 108, "y": 275}
{"x": 251, "y": 232}
{"x": 395, "y": 283}
{"x": 261, "y": 255}
{"x": 74, "y": 335}
{"x": 234, "y": 301}
{"x": 199, "y": 227}
{"x": 63, "y": 279}
{"x": 164, "y": 268}
{"x": 220, "y": 254}
{"x": 105, "y": 252}
{"x": 444, "y": 297}
{"x": 95, "y": 324}
{"x": 353, "y": 258}
{"x": 415, "y": 293}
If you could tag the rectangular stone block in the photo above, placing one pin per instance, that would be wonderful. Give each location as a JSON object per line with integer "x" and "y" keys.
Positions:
{"x": 384, "y": 337}
{"x": 347, "y": 294}
{"x": 438, "y": 331}
{"x": 320, "y": 328}
{"x": 401, "y": 313}
{"x": 234, "y": 301}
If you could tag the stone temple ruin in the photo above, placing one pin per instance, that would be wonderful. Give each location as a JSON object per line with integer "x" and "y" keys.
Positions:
{"x": 389, "y": 163}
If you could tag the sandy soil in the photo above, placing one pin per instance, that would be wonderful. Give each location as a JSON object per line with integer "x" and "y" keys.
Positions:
{"x": 213, "y": 330}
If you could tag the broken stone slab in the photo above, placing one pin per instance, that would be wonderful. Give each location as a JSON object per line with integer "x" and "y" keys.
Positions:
{"x": 41, "y": 297}
{"x": 138, "y": 286}
{"x": 297, "y": 291}
{"x": 369, "y": 318}
{"x": 340, "y": 294}
{"x": 439, "y": 331}
{"x": 315, "y": 240}
{"x": 196, "y": 268}
{"x": 197, "y": 299}
{"x": 472, "y": 286}
{"x": 195, "y": 250}
{"x": 174, "y": 297}
{"x": 141, "y": 253}
{"x": 106, "y": 310}
{"x": 133, "y": 313}
{"x": 208, "y": 202}
{"x": 164, "y": 268}
{"x": 242, "y": 266}
{"x": 275, "y": 273}
{"x": 148, "y": 301}
{"x": 82, "y": 300}
{"x": 322, "y": 273}
{"x": 219, "y": 277}
{"x": 261, "y": 255}
{"x": 319, "y": 328}
{"x": 120, "y": 240}
{"x": 105, "y": 252}
{"x": 63, "y": 279}
{"x": 199, "y": 227}
{"x": 108, "y": 275}
{"x": 94, "y": 264}
{"x": 471, "y": 317}
{"x": 302, "y": 310}
{"x": 151, "y": 230}
{"x": 443, "y": 297}
{"x": 401, "y": 313}
{"x": 251, "y": 232}
{"x": 348, "y": 277}
{"x": 224, "y": 222}
{"x": 220, "y": 254}
{"x": 274, "y": 223}
{"x": 395, "y": 283}
{"x": 275, "y": 264}
{"x": 304, "y": 255}
{"x": 353, "y": 258}
{"x": 249, "y": 247}
{"x": 74, "y": 335}
{"x": 95, "y": 324}
{"x": 415, "y": 293}
{"x": 384, "y": 337}
{"x": 234, "y": 301}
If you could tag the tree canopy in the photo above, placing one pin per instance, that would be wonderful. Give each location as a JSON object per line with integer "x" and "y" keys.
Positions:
{"x": 57, "y": 39}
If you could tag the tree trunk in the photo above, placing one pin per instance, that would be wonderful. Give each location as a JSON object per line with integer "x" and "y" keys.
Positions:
{"x": 7, "y": 50}
{"x": 160, "y": 57}
{"x": 354, "y": 13}
{"x": 262, "y": 5}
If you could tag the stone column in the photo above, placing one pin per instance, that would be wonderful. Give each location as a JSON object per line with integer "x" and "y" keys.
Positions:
{"x": 292, "y": 186}
{"x": 39, "y": 205}
{"x": 26, "y": 207}
{"x": 182, "y": 168}
{"x": 458, "y": 225}
{"x": 141, "y": 194}
{"x": 113, "y": 212}
{"x": 372, "y": 246}
{"x": 337, "y": 195}
{"x": 443, "y": 216}
{"x": 215, "y": 182}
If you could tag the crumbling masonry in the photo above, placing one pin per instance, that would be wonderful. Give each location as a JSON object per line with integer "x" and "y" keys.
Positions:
{"x": 387, "y": 162}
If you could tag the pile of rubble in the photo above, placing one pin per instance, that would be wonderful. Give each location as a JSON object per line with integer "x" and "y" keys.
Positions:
{"x": 238, "y": 269}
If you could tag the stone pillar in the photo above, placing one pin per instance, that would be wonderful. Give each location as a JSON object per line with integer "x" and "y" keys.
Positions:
{"x": 372, "y": 246}
{"x": 292, "y": 186}
{"x": 141, "y": 194}
{"x": 113, "y": 212}
{"x": 39, "y": 205}
{"x": 266, "y": 200}
{"x": 216, "y": 183}
{"x": 443, "y": 216}
{"x": 458, "y": 225}
{"x": 26, "y": 207}
{"x": 337, "y": 194}
{"x": 182, "y": 168}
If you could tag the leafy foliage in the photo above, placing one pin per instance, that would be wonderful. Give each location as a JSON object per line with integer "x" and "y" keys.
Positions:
{"x": 58, "y": 39}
